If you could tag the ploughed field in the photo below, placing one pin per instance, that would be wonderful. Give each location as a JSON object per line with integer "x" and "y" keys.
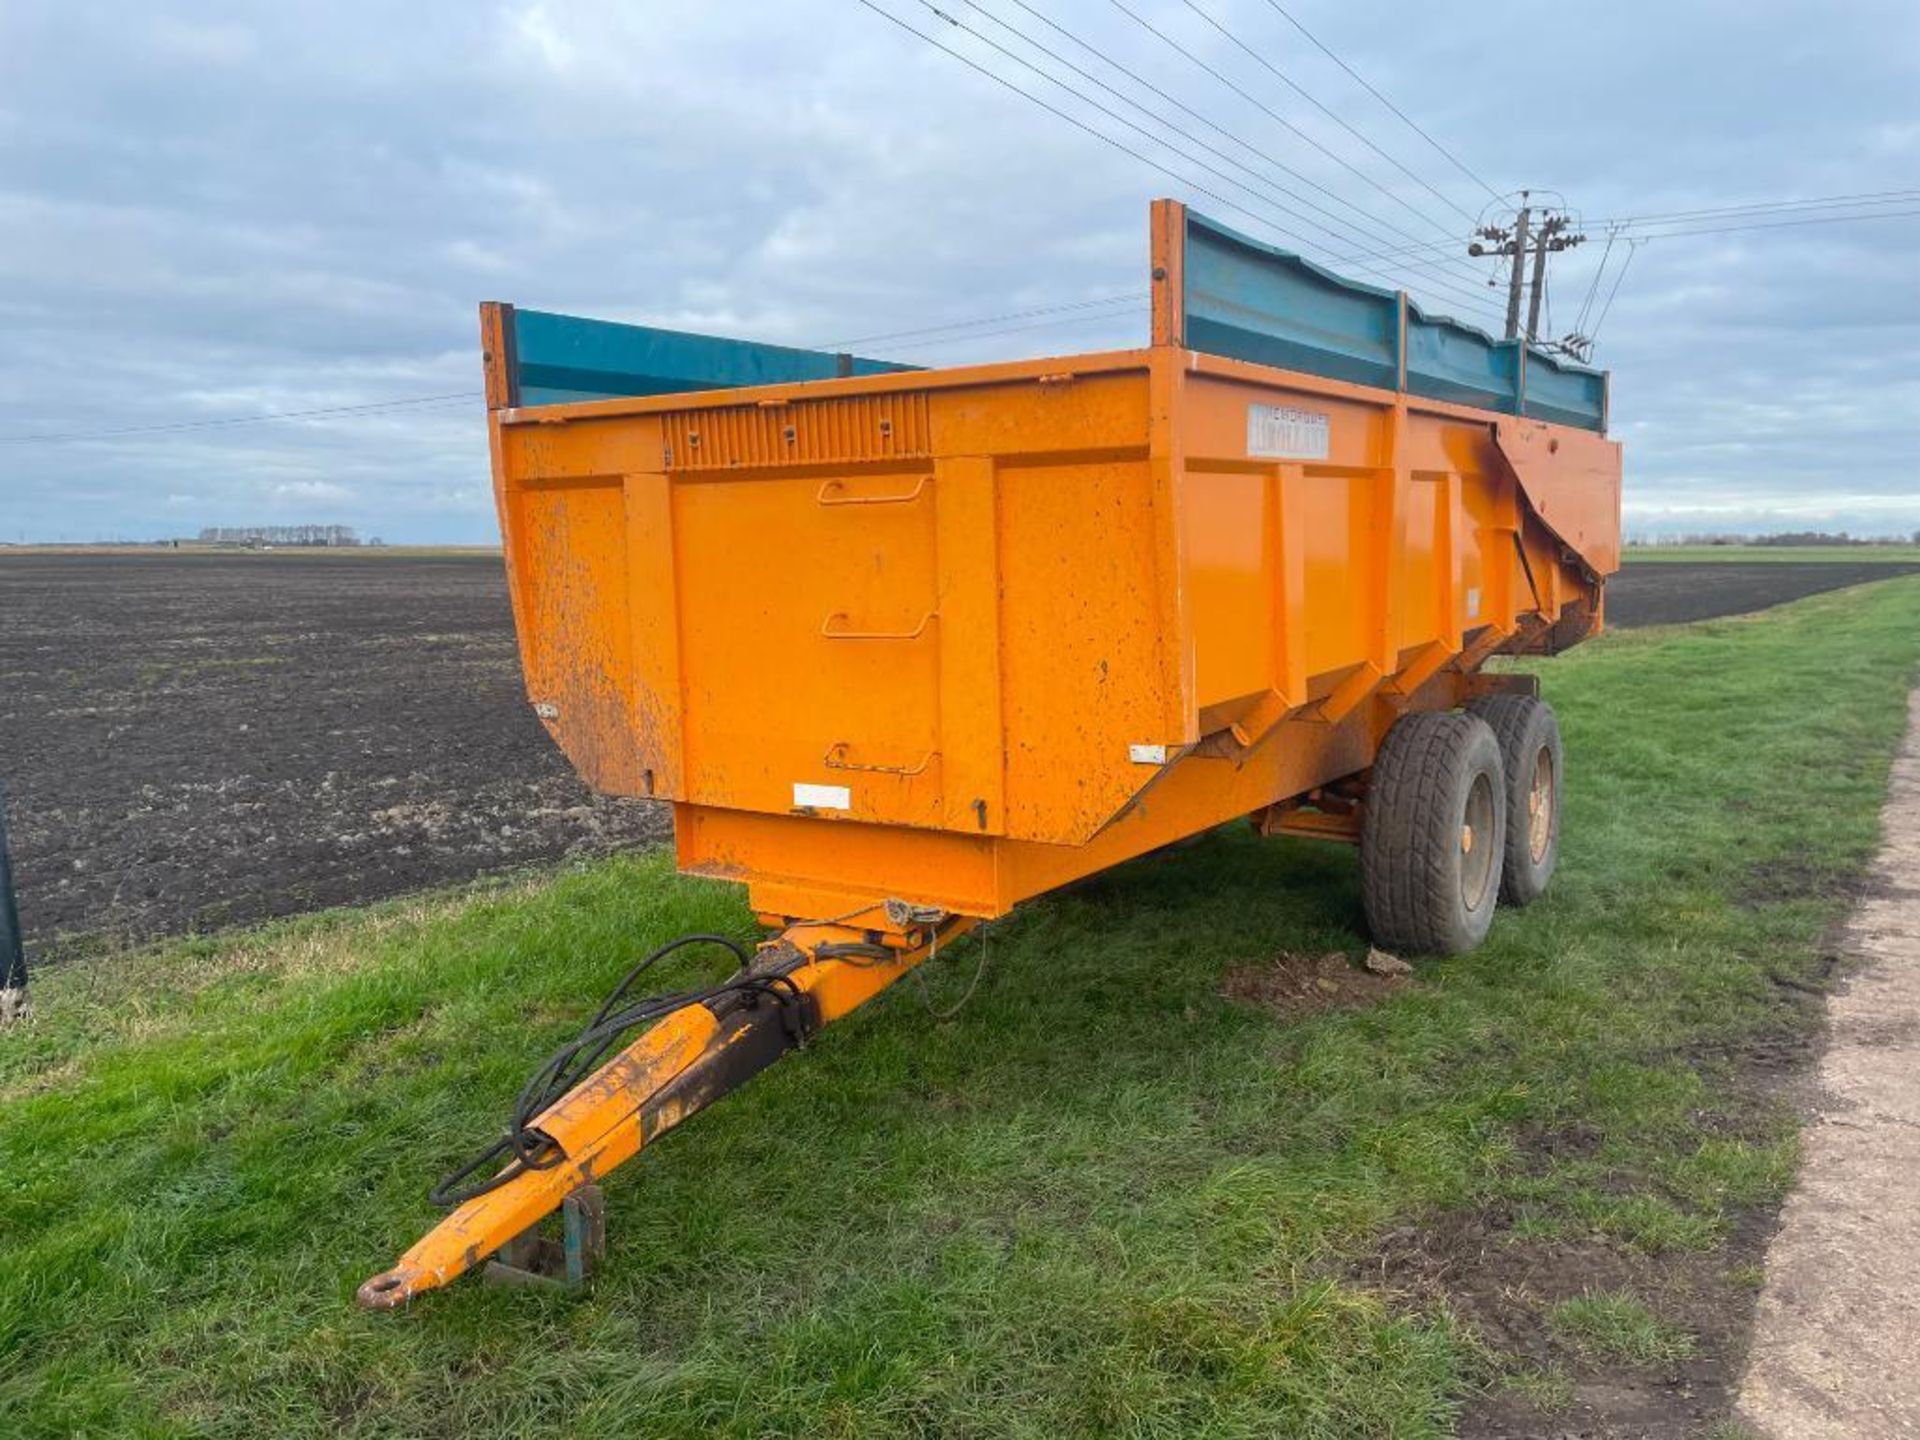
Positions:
{"x": 1669, "y": 592}
{"x": 191, "y": 741}
{"x": 198, "y": 740}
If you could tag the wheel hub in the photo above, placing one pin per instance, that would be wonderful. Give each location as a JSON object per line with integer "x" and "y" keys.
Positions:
{"x": 1476, "y": 859}
{"x": 1540, "y": 797}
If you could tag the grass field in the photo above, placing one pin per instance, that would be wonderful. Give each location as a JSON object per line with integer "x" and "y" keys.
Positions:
{"x": 1786, "y": 554}
{"x": 1105, "y": 1200}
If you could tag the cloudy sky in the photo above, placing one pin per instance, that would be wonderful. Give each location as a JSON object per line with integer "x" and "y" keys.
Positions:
{"x": 216, "y": 211}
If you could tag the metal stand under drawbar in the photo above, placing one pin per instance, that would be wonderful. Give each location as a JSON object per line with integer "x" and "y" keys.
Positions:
{"x": 534, "y": 1260}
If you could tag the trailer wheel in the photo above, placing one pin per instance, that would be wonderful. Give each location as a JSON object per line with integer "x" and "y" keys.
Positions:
{"x": 1433, "y": 834}
{"x": 1529, "y": 737}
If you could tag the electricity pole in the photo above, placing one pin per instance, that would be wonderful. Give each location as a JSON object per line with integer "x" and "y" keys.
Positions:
{"x": 1517, "y": 270}
{"x": 1522, "y": 242}
{"x": 1549, "y": 228}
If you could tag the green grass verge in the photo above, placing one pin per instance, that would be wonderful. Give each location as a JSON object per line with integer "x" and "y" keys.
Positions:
{"x": 1103, "y": 1201}
{"x": 1784, "y": 554}
{"x": 1620, "y": 1327}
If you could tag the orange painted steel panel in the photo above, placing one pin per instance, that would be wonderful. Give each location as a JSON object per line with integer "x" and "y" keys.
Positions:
{"x": 959, "y": 636}
{"x": 1572, "y": 479}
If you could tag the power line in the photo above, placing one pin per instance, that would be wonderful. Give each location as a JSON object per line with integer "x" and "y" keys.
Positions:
{"x": 1633, "y": 249}
{"x": 1269, "y": 112}
{"x": 1138, "y": 303}
{"x": 983, "y": 320}
{"x": 1078, "y": 123}
{"x": 1131, "y": 298}
{"x": 1176, "y": 102}
{"x": 1104, "y": 110}
{"x": 1630, "y": 224}
{"x": 1291, "y": 84}
{"x": 1583, "y": 344}
{"x": 1866, "y": 198}
{"x": 941, "y": 330}
{"x": 241, "y": 419}
{"x": 1360, "y": 80}
{"x": 1265, "y": 197}
{"x": 1593, "y": 287}
{"x": 1121, "y": 302}
{"x": 1345, "y": 235}
{"x": 1781, "y": 224}
{"x": 1138, "y": 129}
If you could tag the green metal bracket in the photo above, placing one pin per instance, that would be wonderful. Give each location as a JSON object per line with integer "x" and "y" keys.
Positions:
{"x": 537, "y": 1262}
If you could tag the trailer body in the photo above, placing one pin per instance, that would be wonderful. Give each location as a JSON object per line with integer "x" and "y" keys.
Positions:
{"x": 906, "y": 647}
{"x": 960, "y": 636}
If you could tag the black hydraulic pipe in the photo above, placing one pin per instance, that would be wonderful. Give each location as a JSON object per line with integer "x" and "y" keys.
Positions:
{"x": 13, "y": 952}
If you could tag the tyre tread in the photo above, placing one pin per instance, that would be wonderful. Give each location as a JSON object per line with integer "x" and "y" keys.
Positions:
{"x": 1513, "y": 720}
{"x": 1409, "y": 892}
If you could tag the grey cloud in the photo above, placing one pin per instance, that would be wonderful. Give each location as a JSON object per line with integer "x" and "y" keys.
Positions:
{"x": 233, "y": 209}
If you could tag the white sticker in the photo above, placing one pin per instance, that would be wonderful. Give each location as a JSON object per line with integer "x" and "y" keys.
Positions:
{"x": 1147, "y": 754}
{"x": 821, "y": 797}
{"x": 1276, "y": 433}
{"x": 1473, "y": 602}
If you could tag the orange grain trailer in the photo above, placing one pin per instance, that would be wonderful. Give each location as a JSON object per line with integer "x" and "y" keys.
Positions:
{"x": 906, "y": 647}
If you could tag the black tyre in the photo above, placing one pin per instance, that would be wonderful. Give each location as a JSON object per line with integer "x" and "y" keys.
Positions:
{"x": 1432, "y": 834}
{"x": 1529, "y": 737}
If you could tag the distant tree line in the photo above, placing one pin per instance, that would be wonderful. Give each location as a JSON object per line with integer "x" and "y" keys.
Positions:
{"x": 320, "y": 535}
{"x": 1839, "y": 538}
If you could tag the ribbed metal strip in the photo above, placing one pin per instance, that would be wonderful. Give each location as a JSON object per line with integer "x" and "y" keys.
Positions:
{"x": 805, "y": 432}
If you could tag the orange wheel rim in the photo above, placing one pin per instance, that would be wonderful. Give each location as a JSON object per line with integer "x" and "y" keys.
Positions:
{"x": 1540, "y": 798}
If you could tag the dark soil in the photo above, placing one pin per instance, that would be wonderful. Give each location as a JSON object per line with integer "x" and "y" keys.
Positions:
{"x": 192, "y": 741}
{"x": 1503, "y": 1289}
{"x": 1786, "y": 878}
{"x": 1503, "y": 1285}
{"x": 1658, "y": 592}
{"x": 1291, "y": 985}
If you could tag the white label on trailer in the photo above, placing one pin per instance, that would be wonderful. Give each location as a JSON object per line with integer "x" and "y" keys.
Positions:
{"x": 1275, "y": 432}
{"x": 1147, "y": 754}
{"x": 821, "y": 797}
{"x": 1473, "y": 602}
